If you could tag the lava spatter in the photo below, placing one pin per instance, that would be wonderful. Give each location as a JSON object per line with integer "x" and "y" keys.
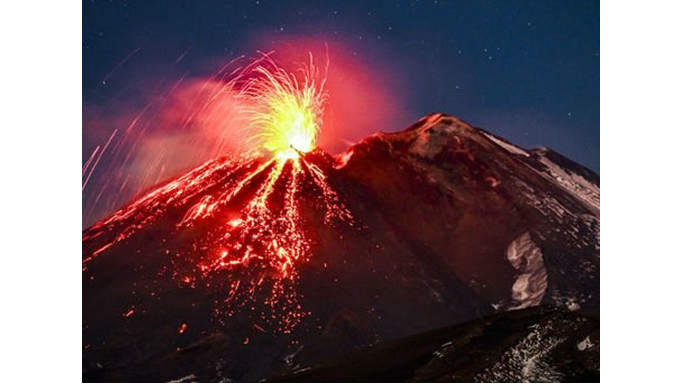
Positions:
{"x": 238, "y": 223}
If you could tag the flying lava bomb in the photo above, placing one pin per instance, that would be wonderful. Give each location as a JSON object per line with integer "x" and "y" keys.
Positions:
{"x": 252, "y": 224}
{"x": 289, "y": 191}
{"x": 271, "y": 260}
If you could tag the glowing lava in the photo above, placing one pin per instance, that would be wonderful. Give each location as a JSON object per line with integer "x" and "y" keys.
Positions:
{"x": 247, "y": 213}
{"x": 286, "y": 109}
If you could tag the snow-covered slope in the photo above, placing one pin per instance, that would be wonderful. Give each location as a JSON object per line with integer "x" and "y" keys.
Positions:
{"x": 581, "y": 183}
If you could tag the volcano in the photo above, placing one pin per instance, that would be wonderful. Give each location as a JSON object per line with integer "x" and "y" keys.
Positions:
{"x": 253, "y": 267}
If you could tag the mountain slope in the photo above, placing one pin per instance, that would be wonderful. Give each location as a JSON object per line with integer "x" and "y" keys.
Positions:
{"x": 259, "y": 268}
{"x": 539, "y": 344}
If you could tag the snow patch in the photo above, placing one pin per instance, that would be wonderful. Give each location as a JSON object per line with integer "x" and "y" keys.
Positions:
{"x": 528, "y": 360}
{"x": 581, "y": 188}
{"x": 507, "y": 146}
{"x": 572, "y": 304}
{"x": 585, "y": 344}
{"x": 530, "y": 285}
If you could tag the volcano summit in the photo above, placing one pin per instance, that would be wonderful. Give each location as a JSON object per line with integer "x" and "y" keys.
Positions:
{"x": 255, "y": 267}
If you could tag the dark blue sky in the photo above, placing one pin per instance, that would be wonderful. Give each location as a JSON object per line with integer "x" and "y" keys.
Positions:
{"x": 528, "y": 71}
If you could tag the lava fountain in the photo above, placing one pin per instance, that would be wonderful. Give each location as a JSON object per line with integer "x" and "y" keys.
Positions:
{"x": 285, "y": 111}
{"x": 246, "y": 211}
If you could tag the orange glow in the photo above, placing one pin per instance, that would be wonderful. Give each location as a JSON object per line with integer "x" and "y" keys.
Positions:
{"x": 285, "y": 111}
{"x": 250, "y": 207}
{"x": 266, "y": 238}
{"x": 190, "y": 120}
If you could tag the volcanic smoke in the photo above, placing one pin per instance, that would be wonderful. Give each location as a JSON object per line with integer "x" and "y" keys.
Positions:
{"x": 246, "y": 211}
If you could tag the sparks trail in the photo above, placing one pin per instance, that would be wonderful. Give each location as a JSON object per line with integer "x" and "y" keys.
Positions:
{"x": 119, "y": 64}
{"x": 228, "y": 111}
{"x": 254, "y": 233}
{"x": 153, "y": 205}
{"x": 286, "y": 109}
{"x": 244, "y": 220}
{"x": 90, "y": 168}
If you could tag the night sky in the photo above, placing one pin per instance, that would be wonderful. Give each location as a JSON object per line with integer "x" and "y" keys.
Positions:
{"x": 528, "y": 71}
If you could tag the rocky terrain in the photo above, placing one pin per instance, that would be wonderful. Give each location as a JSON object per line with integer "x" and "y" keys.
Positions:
{"x": 381, "y": 249}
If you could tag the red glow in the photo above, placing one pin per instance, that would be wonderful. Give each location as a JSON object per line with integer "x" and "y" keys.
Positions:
{"x": 191, "y": 120}
{"x": 259, "y": 251}
{"x": 362, "y": 97}
{"x": 269, "y": 242}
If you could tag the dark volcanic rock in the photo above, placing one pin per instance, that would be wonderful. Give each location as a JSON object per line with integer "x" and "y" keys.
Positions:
{"x": 451, "y": 224}
{"x": 539, "y": 344}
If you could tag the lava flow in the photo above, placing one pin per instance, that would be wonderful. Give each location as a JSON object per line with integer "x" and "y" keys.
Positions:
{"x": 242, "y": 219}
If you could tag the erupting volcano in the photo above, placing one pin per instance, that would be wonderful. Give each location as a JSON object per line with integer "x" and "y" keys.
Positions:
{"x": 270, "y": 262}
{"x": 250, "y": 208}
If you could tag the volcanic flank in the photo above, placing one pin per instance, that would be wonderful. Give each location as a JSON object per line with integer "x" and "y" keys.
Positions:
{"x": 252, "y": 267}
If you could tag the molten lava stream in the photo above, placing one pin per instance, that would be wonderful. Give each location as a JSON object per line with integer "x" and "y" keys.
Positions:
{"x": 256, "y": 238}
{"x": 247, "y": 214}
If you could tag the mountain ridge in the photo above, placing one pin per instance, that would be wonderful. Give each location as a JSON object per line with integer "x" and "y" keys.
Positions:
{"x": 438, "y": 220}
